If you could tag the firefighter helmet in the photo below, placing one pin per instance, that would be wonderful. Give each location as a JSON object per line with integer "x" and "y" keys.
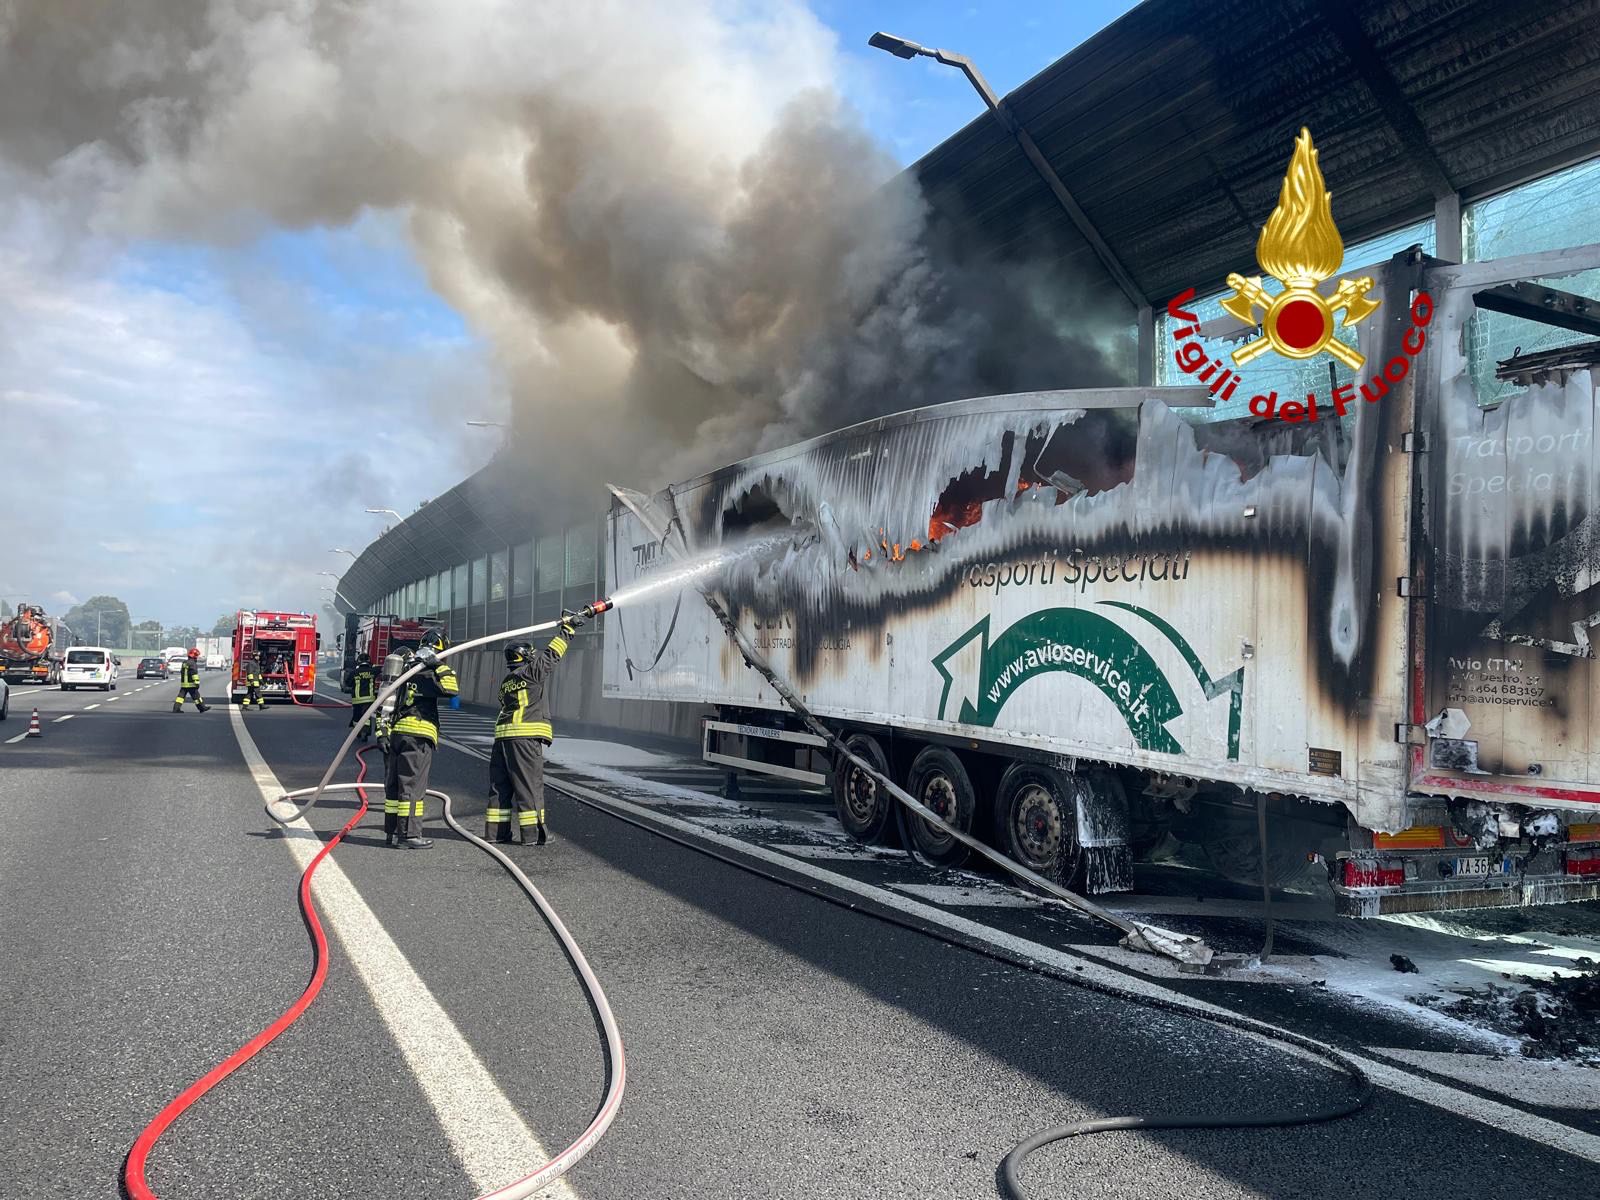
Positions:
{"x": 517, "y": 652}
{"x": 434, "y": 639}
{"x": 194, "y": 651}
{"x": 363, "y": 659}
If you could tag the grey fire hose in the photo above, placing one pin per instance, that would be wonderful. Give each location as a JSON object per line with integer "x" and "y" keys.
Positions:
{"x": 1144, "y": 937}
{"x": 283, "y": 811}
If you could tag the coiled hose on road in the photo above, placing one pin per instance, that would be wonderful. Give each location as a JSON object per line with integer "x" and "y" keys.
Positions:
{"x": 134, "y": 1181}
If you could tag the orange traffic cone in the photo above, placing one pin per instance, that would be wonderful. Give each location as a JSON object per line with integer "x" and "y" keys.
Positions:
{"x": 33, "y": 725}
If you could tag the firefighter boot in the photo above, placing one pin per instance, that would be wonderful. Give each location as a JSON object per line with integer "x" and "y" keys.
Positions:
{"x": 203, "y": 705}
{"x": 391, "y": 825}
{"x": 177, "y": 705}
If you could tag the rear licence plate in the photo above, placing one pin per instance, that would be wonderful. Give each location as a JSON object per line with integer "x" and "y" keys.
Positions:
{"x": 1479, "y": 866}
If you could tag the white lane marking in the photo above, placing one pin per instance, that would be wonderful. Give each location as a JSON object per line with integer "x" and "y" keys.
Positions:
{"x": 1557, "y": 1085}
{"x": 18, "y": 738}
{"x": 68, "y": 717}
{"x": 488, "y": 1135}
{"x": 113, "y": 699}
{"x": 1488, "y": 1112}
{"x": 966, "y": 897}
{"x": 91, "y": 707}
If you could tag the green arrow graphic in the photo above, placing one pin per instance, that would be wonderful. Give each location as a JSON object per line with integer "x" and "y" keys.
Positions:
{"x": 1078, "y": 642}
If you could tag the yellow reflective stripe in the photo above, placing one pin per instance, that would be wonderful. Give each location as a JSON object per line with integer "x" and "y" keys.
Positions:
{"x": 528, "y": 818}
{"x": 447, "y": 680}
{"x": 494, "y": 814}
{"x": 558, "y": 646}
{"x": 390, "y": 807}
{"x": 418, "y": 726}
{"x": 534, "y": 729}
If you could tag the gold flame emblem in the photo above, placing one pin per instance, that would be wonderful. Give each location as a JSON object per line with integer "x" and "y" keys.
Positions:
{"x": 1300, "y": 247}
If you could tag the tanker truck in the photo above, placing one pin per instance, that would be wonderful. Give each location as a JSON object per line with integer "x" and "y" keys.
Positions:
{"x": 1075, "y": 623}
{"x": 26, "y": 643}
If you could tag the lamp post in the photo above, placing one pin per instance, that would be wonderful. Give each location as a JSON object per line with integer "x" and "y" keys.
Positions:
{"x": 335, "y": 589}
{"x": 342, "y": 550}
{"x": 901, "y": 48}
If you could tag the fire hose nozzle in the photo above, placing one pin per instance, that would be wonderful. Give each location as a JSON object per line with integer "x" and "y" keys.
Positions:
{"x": 592, "y": 611}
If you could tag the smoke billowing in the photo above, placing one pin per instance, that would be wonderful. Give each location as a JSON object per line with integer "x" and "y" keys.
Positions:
{"x": 679, "y": 240}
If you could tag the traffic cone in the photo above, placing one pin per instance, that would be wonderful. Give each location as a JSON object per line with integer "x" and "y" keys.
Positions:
{"x": 33, "y": 725}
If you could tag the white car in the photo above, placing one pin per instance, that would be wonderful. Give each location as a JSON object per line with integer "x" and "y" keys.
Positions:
{"x": 5, "y": 698}
{"x": 89, "y": 666}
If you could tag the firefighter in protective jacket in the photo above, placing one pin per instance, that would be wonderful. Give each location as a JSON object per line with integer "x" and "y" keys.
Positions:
{"x": 189, "y": 683}
{"x": 363, "y": 690}
{"x": 413, "y": 734}
{"x": 252, "y": 685}
{"x": 522, "y": 730}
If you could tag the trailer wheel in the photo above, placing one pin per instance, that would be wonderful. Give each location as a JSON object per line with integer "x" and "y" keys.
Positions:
{"x": 865, "y": 808}
{"x": 1036, "y": 814}
{"x": 939, "y": 782}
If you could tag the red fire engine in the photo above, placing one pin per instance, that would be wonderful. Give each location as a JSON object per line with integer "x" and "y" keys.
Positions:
{"x": 284, "y": 644}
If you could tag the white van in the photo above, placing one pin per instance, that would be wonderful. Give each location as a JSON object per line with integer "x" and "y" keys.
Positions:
{"x": 89, "y": 666}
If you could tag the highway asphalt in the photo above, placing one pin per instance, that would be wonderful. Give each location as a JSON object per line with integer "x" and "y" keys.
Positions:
{"x": 778, "y": 1045}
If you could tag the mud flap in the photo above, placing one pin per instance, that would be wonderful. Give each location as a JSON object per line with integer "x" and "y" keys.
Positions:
{"x": 1104, "y": 836}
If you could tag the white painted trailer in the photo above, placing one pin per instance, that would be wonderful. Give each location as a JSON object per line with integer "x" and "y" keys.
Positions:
{"x": 1074, "y": 621}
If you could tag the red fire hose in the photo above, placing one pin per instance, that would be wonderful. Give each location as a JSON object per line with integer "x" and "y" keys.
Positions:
{"x": 133, "y": 1176}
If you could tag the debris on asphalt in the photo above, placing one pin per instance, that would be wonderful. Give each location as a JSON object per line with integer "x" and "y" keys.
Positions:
{"x": 1556, "y": 1018}
{"x": 1403, "y": 964}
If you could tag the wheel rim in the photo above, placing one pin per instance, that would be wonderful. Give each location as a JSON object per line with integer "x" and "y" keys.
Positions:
{"x": 1036, "y": 824}
{"x": 861, "y": 795}
{"x": 938, "y": 796}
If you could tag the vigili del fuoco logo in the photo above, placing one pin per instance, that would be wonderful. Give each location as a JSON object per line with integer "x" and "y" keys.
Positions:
{"x": 1300, "y": 248}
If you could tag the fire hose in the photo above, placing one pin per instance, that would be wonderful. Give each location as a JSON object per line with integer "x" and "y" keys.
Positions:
{"x": 134, "y": 1179}
{"x": 133, "y": 1175}
{"x": 1140, "y": 936}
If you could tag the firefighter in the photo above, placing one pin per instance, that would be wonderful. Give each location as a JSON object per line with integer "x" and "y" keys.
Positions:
{"x": 189, "y": 683}
{"x": 413, "y": 734}
{"x": 252, "y": 684}
{"x": 522, "y": 730}
{"x": 363, "y": 690}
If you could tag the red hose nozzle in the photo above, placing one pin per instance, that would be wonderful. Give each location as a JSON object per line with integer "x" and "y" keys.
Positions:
{"x": 598, "y": 607}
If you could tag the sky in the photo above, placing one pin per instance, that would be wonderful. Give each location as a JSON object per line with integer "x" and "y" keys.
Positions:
{"x": 193, "y": 420}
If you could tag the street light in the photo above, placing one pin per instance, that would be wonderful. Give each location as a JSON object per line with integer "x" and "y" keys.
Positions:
{"x": 390, "y": 511}
{"x": 342, "y": 550}
{"x": 901, "y": 48}
{"x": 335, "y": 589}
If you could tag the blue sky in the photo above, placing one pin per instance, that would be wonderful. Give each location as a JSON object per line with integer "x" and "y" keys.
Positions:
{"x": 244, "y": 398}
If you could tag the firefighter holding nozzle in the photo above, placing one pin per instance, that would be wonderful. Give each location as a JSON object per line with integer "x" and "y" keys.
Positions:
{"x": 522, "y": 730}
{"x": 413, "y": 732}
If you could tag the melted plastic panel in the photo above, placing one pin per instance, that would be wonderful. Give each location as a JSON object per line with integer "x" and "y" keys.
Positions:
{"x": 1516, "y": 527}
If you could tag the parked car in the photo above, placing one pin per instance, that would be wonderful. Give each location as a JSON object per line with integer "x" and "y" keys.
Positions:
{"x": 89, "y": 666}
{"x": 153, "y": 668}
{"x": 5, "y": 698}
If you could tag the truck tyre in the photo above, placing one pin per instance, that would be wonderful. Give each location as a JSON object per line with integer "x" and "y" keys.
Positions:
{"x": 1036, "y": 822}
{"x": 865, "y": 807}
{"x": 939, "y": 782}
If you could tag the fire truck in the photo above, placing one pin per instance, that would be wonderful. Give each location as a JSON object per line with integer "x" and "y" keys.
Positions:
{"x": 376, "y": 635}
{"x": 284, "y": 644}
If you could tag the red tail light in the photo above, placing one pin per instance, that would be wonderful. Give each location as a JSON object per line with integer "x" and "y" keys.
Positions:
{"x": 1583, "y": 862}
{"x": 1369, "y": 874}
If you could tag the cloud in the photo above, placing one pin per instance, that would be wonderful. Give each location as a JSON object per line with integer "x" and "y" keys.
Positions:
{"x": 65, "y": 599}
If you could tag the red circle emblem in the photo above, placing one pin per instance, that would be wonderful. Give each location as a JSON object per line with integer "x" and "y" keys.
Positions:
{"x": 1301, "y": 324}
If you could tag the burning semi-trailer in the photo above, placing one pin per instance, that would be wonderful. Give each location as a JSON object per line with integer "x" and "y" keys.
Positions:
{"x": 1073, "y": 622}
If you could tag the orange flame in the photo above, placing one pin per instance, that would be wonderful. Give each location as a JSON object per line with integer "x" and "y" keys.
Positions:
{"x": 1300, "y": 243}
